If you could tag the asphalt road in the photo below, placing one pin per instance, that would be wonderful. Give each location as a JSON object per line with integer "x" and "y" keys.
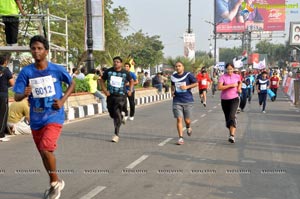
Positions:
{"x": 147, "y": 164}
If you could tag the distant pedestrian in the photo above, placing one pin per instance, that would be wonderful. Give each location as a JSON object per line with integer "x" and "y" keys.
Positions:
{"x": 214, "y": 79}
{"x": 182, "y": 82}
{"x": 6, "y": 80}
{"x": 203, "y": 84}
{"x": 93, "y": 79}
{"x": 9, "y": 9}
{"x": 274, "y": 80}
{"x": 230, "y": 84}
{"x": 18, "y": 118}
{"x": 115, "y": 91}
{"x": 131, "y": 98}
{"x": 41, "y": 82}
{"x": 262, "y": 86}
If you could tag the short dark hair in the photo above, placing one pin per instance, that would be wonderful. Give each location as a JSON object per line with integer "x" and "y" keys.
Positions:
{"x": 229, "y": 64}
{"x": 264, "y": 72}
{"x": 4, "y": 57}
{"x": 127, "y": 64}
{"x": 118, "y": 58}
{"x": 39, "y": 38}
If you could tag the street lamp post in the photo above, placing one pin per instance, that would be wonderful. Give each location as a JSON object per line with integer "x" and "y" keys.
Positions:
{"x": 215, "y": 34}
{"x": 89, "y": 33}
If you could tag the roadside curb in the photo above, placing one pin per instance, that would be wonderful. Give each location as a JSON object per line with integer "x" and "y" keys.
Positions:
{"x": 87, "y": 110}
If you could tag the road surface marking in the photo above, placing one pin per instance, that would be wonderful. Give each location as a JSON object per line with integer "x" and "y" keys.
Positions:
{"x": 203, "y": 115}
{"x": 93, "y": 193}
{"x": 138, "y": 161}
{"x": 165, "y": 142}
{"x": 215, "y": 107}
{"x": 248, "y": 161}
{"x": 194, "y": 121}
{"x": 209, "y": 111}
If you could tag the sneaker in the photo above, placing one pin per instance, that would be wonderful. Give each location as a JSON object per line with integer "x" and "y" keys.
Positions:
{"x": 263, "y": 111}
{"x": 124, "y": 118}
{"x": 115, "y": 139}
{"x": 201, "y": 101}
{"x": 238, "y": 110}
{"x": 4, "y": 139}
{"x": 204, "y": 104}
{"x": 231, "y": 139}
{"x": 54, "y": 192}
{"x": 131, "y": 118}
{"x": 180, "y": 141}
{"x": 189, "y": 131}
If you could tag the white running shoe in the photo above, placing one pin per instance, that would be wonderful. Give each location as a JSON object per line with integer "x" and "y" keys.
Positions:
{"x": 115, "y": 139}
{"x": 231, "y": 139}
{"x": 54, "y": 192}
{"x": 180, "y": 141}
{"x": 131, "y": 118}
{"x": 4, "y": 139}
{"x": 189, "y": 131}
{"x": 124, "y": 118}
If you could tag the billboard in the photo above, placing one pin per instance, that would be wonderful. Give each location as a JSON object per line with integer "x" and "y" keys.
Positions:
{"x": 234, "y": 16}
{"x": 295, "y": 33}
{"x": 189, "y": 45}
{"x": 97, "y": 25}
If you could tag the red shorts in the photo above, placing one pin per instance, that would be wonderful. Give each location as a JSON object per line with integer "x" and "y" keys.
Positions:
{"x": 45, "y": 138}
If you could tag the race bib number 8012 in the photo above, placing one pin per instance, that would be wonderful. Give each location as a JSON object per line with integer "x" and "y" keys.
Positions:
{"x": 42, "y": 87}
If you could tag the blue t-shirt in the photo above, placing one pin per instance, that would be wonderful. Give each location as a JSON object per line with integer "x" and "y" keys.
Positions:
{"x": 133, "y": 75}
{"x": 46, "y": 86}
{"x": 116, "y": 80}
{"x": 183, "y": 96}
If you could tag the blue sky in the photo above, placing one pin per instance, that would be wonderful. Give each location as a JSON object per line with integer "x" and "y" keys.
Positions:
{"x": 169, "y": 20}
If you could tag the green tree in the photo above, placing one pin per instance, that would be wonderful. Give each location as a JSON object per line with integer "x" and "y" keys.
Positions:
{"x": 228, "y": 54}
{"x": 146, "y": 50}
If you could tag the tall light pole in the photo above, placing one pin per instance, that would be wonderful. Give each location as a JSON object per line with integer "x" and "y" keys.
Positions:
{"x": 215, "y": 34}
{"x": 189, "y": 18}
{"x": 89, "y": 33}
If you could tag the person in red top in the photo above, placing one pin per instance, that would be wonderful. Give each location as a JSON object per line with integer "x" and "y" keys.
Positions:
{"x": 203, "y": 84}
{"x": 274, "y": 84}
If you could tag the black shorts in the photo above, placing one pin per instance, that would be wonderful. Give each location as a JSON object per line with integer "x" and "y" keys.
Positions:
{"x": 202, "y": 90}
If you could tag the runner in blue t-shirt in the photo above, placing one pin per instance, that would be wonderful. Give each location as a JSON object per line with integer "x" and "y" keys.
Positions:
{"x": 183, "y": 100}
{"x": 41, "y": 82}
{"x": 131, "y": 98}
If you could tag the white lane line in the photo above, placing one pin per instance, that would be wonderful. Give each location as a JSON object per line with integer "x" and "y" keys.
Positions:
{"x": 215, "y": 107}
{"x": 138, "y": 161}
{"x": 209, "y": 111}
{"x": 203, "y": 115}
{"x": 93, "y": 193}
{"x": 165, "y": 142}
{"x": 248, "y": 161}
{"x": 194, "y": 121}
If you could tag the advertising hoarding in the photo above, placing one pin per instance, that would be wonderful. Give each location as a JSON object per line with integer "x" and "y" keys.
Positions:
{"x": 189, "y": 45}
{"x": 234, "y": 16}
{"x": 97, "y": 25}
{"x": 295, "y": 33}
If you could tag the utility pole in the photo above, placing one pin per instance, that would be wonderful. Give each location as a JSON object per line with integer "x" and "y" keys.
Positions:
{"x": 189, "y": 18}
{"x": 89, "y": 33}
{"x": 215, "y": 34}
